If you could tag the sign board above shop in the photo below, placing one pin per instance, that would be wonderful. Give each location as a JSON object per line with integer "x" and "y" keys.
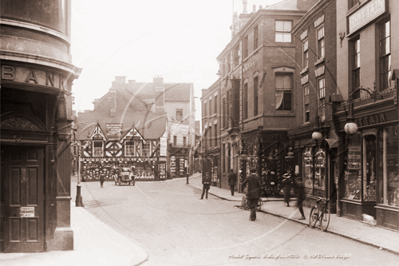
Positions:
{"x": 114, "y": 130}
{"x": 366, "y": 14}
{"x": 33, "y": 76}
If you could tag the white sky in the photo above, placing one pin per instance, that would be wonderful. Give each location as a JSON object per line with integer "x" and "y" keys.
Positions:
{"x": 176, "y": 39}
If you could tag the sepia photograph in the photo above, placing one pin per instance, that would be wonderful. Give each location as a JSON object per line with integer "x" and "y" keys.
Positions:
{"x": 199, "y": 132}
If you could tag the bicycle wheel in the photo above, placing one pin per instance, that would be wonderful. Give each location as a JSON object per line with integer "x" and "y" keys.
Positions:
{"x": 313, "y": 217}
{"x": 325, "y": 219}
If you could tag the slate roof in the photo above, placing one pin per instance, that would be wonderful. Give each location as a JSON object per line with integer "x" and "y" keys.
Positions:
{"x": 284, "y": 5}
{"x": 130, "y": 110}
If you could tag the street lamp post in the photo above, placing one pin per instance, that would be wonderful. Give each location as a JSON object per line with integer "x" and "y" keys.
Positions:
{"x": 76, "y": 142}
{"x": 351, "y": 127}
{"x": 79, "y": 200}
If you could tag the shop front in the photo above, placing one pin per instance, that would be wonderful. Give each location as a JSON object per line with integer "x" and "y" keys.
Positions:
{"x": 265, "y": 151}
{"x": 371, "y": 176}
{"x": 318, "y": 164}
{"x": 371, "y": 183}
{"x": 178, "y": 161}
{"x": 142, "y": 168}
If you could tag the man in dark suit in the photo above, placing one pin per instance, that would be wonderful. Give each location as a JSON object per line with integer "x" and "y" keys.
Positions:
{"x": 206, "y": 181}
{"x": 253, "y": 192}
{"x": 232, "y": 181}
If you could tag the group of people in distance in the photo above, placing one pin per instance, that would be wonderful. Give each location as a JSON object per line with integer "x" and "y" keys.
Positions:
{"x": 254, "y": 190}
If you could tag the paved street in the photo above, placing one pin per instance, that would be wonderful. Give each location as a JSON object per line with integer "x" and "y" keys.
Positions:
{"x": 170, "y": 222}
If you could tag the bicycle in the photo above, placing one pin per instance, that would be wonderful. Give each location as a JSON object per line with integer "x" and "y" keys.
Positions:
{"x": 320, "y": 213}
{"x": 244, "y": 204}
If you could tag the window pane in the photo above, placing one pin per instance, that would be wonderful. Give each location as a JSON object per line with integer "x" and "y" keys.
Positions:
{"x": 287, "y": 82}
{"x": 287, "y": 25}
{"x": 305, "y": 45}
{"x": 287, "y": 101}
{"x": 279, "y": 37}
{"x": 320, "y": 33}
{"x": 279, "y": 25}
{"x": 279, "y": 82}
{"x": 287, "y": 37}
{"x": 388, "y": 45}
{"x": 387, "y": 29}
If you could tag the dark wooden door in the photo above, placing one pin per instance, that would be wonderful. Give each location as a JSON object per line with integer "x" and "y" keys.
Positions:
{"x": 22, "y": 199}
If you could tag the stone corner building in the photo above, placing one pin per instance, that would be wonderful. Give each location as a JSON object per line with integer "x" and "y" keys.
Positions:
{"x": 36, "y": 114}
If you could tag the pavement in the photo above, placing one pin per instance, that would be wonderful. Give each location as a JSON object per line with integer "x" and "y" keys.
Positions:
{"x": 378, "y": 237}
{"x": 95, "y": 243}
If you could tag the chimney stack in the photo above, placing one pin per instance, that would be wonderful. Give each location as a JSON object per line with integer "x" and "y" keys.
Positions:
{"x": 244, "y": 3}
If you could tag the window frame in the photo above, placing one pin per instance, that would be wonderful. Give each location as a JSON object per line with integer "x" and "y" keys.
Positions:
{"x": 321, "y": 43}
{"x": 355, "y": 68}
{"x": 256, "y": 95}
{"x": 321, "y": 90}
{"x": 285, "y": 91}
{"x": 216, "y": 134}
{"x": 210, "y": 107}
{"x": 283, "y": 32}
{"x": 94, "y": 148}
{"x": 126, "y": 145}
{"x": 224, "y": 116}
{"x": 182, "y": 114}
{"x": 245, "y": 101}
{"x": 305, "y": 53}
{"x": 215, "y": 98}
{"x": 256, "y": 37}
{"x": 384, "y": 75}
{"x": 245, "y": 47}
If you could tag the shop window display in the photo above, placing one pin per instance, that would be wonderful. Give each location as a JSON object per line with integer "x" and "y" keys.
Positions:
{"x": 369, "y": 168}
{"x": 388, "y": 166}
{"x": 308, "y": 168}
{"x": 353, "y": 173}
{"x": 320, "y": 169}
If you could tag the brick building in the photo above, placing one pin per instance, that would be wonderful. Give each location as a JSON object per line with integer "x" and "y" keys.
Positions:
{"x": 367, "y": 120}
{"x": 257, "y": 69}
{"x": 315, "y": 80}
{"x": 210, "y": 146}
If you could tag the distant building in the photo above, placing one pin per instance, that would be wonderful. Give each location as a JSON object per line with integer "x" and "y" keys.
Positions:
{"x": 148, "y": 127}
{"x": 316, "y": 82}
{"x": 257, "y": 89}
{"x": 210, "y": 147}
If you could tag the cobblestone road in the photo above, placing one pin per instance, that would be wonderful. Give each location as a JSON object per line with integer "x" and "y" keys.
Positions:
{"x": 175, "y": 227}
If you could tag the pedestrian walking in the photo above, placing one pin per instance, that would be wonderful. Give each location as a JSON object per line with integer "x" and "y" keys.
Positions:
{"x": 206, "y": 185}
{"x": 300, "y": 191}
{"x": 253, "y": 192}
{"x": 102, "y": 177}
{"x": 232, "y": 181}
{"x": 286, "y": 188}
